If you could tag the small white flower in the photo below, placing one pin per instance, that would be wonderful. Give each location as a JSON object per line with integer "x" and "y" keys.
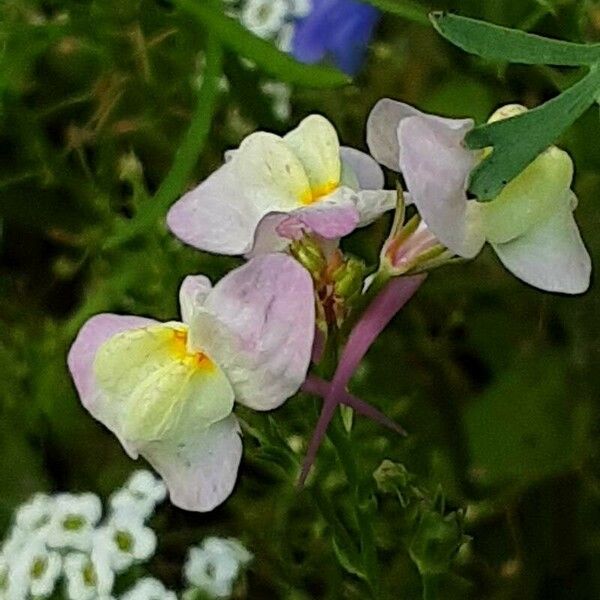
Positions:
{"x": 149, "y": 589}
{"x": 4, "y": 576}
{"x": 140, "y": 495}
{"x": 73, "y": 521}
{"x": 281, "y": 94}
{"x": 35, "y": 570}
{"x": 89, "y": 577}
{"x": 125, "y": 540}
{"x": 300, "y": 8}
{"x": 35, "y": 515}
{"x": 215, "y": 566}
{"x": 285, "y": 37}
{"x": 264, "y": 18}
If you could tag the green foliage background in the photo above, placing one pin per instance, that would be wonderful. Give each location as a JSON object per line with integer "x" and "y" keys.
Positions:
{"x": 497, "y": 383}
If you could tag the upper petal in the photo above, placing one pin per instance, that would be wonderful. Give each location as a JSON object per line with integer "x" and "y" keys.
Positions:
{"x": 201, "y": 468}
{"x": 192, "y": 293}
{"x": 315, "y": 142}
{"x": 258, "y": 323}
{"x": 436, "y": 167}
{"x": 371, "y": 204}
{"x": 366, "y": 171}
{"x": 216, "y": 216}
{"x": 550, "y": 256}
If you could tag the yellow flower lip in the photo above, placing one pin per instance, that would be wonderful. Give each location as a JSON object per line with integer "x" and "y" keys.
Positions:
{"x": 313, "y": 195}
{"x": 196, "y": 360}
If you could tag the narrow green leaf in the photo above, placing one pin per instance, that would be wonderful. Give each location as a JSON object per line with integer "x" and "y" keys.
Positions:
{"x": 501, "y": 43}
{"x": 406, "y": 9}
{"x": 271, "y": 60}
{"x": 186, "y": 156}
{"x": 519, "y": 140}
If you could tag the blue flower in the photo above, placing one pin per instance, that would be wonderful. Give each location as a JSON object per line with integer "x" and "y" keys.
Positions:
{"x": 336, "y": 29}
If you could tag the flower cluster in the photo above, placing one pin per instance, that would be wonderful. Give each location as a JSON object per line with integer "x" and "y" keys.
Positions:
{"x": 312, "y": 30}
{"x": 61, "y": 537}
{"x": 60, "y": 542}
{"x": 168, "y": 390}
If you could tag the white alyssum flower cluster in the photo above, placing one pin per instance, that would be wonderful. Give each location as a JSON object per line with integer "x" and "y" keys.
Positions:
{"x": 214, "y": 567}
{"x": 60, "y": 537}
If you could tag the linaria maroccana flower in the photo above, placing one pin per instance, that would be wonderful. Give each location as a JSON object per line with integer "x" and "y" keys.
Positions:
{"x": 530, "y": 224}
{"x": 167, "y": 390}
{"x": 272, "y": 189}
{"x": 336, "y": 29}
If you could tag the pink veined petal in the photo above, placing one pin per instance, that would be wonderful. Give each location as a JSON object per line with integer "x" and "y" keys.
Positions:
{"x": 436, "y": 167}
{"x": 551, "y": 256}
{"x": 200, "y": 471}
{"x": 216, "y": 216}
{"x": 91, "y": 336}
{"x": 329, "y": 219}
{"x": 368, "y": 173}
{"x": 381, "y": 311}
{"x": 258, "y": 325}
{"x": 192, "y": 293}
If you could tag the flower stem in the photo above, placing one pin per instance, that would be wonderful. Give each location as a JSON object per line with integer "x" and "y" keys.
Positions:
{"x": 431, "y": 587}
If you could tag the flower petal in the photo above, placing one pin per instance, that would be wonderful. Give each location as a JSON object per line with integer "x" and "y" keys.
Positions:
{"x": 550, "y": 256}
{"x": 91, "y": 336}
{"x": 436, "y": 168}
{"x": 382, "y": 130}
{"x": 200, "y": 470}
{"x": 315, "y": 142}
{"x": 529, "y": 198}
{"x": 258, "y": 324}
{"x": 371, "y": 204}
{"x": 155, "y": 388}
{"x": 366, "y": 171}
{"x": 192, "y": 294}
{"x": 216, "y": 216}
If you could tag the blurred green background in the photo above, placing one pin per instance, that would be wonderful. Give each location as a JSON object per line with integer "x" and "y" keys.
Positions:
{"x": 497, "y": 383}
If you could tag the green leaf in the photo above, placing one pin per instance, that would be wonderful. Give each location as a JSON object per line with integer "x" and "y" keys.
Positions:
{"x": 271, "y": 60}
{"x": 501, "y": 43}
{"x": 407, "y": 9}
{"x": 519, "y": 140}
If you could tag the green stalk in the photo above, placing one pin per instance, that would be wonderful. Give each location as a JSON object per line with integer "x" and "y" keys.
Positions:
{"x": 186, "y": 156}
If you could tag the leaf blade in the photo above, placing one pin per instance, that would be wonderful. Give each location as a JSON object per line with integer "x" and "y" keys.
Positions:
{"x": 494, "y": 42}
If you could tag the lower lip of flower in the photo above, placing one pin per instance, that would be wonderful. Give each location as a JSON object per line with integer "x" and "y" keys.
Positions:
{"x": 197, "y": 360}
{"x": 315, "y": 194}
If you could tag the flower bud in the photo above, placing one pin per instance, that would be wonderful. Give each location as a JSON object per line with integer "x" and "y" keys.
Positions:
{"x": 309, "y": 254}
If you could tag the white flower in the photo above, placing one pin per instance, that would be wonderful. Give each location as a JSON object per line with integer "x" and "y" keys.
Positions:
{"x": 149, "y": 589}
{"x": 4, "y": 576}
{"x": 264, "y": 18}
{"x": 35, "y": 570}
{"x": 89, "y": 577}
{"x": 300, "y": 8}
{"x": 125, "y": 540}
{"x": 73, "y": 521}
{"x": 140, "y": 495}
{"x": 215, "y": 566}
{"x": 280, "y": 93}
{"x": 35, "y": 516}
{"x": 285, "y": 37}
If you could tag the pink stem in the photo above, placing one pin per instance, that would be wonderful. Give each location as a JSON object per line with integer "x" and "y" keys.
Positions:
{"x": 380, "y": 312}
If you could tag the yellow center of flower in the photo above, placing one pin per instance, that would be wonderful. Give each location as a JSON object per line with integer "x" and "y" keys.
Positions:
{"x": 179, "y": 349}
{"x": 315, "y": 194}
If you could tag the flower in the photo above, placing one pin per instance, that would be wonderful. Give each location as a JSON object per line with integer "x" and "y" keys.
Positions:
{"x": 215, "y": 566}
{"x": 73, "y": 520}
{"x": 34, "y": 571}
{"x": 272, "y": 190}
{"x": 140, "y": 495}
{"x": 340, "y": 29}
{"x": 34, "y": 516}
{"x": 167, "y": 390}
{"x": 530, "y": 224}
{"x": 125, "y": 541}
{"x": 148, "y": 589}
{"x": 88, "y": 577}
{"x": 264, "y": 18}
